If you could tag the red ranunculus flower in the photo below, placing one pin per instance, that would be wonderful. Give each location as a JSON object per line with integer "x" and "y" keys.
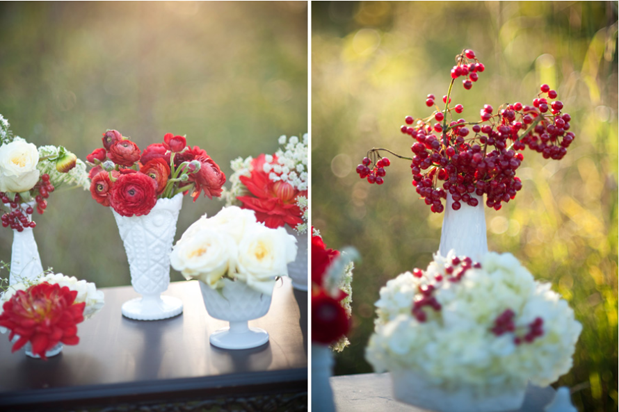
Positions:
{"x": 275, "y": 203}
{"x": 98, "y": 154}
{"x": 133, "y": 194}
{"x": 124, "y": 153}
{"x": 192, "y": 153}
{"x": 155, "y": 151}
{"x": 174, "y": 143}
{"x": 321, "y": 259}
{"x": 158, "y": 170}
{"x": 110, "y": 137}
{"x": 43, "y": 315}
{"x": 209, "y": 179}
{"x": 100, "y": 187}
{"x": 329, "y": 319}
{"x": 94, "y": 171}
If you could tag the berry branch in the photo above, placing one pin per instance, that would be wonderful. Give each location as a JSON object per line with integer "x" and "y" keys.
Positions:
{"x": 484, "y": 161}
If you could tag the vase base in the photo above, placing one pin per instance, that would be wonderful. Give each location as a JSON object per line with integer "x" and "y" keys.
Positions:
{"x": 224, "y": 339}
{"x": 163, "y": 308}
{"x": 52, "y": 352}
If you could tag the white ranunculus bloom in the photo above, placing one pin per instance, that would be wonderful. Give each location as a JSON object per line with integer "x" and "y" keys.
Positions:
{"x": 207, "y": 256}
{"x": 18, "y": 166}
{"x": 263, "y": 255}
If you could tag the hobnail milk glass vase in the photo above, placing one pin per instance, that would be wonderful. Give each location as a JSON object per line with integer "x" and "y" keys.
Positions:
{"x": 236, "y": 303}
{"x": 413, "y": 389}
{"x": 25, "y": 259}
{"x": 464, "y": 230}
{"x": 297, "y": 270}
{"x": 322, "y": 369}
{"x": 148, "y": 242}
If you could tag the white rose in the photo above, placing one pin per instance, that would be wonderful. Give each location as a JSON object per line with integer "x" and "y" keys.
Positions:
{"x": 18, "y": 166}
{"x": 263, "y": 255}
{"x": 231, "y": 220}
{"x": 206, "y": 256}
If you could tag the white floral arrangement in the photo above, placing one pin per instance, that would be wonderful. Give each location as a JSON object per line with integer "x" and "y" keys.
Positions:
{"x": 86, "y": 291}
{"x": 483, "y": 326}
{"x": 233, "y": 245}
{"x": 289, "y": 164}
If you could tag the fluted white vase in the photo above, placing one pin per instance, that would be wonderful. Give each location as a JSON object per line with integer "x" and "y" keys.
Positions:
{"x": 25, "y": 260}
{"x": 148, "y": 242}
{"x": 322, "y": 369}
{"x": 464, "y": 230}
{"x": 297, "y": 270}
{"x": 409, "y": 387}
{"x": 236, "y": 303}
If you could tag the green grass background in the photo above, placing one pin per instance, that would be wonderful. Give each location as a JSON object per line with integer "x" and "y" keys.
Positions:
{"x": 232, "y": 77}
{"x": 374, "y": 62}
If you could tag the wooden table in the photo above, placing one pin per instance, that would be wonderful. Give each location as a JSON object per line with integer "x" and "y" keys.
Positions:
{"x": 372, "y": 392}
{"x": 123, "y": 361}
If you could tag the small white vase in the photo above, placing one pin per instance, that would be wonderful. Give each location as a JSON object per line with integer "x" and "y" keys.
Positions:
{"x": 236, "y": 303}
{"x": 52, "y": 352}
{"x": 322, "y": 369}
{"x": 148, "y": 242}
{"x": 409, "y": 387}
{"x": 464, "y": 230}
{"x": 297, "y": 270}
{"x": 25, "y": 259}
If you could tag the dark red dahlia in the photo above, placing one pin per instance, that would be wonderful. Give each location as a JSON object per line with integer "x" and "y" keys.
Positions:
{"x": 329, "y": 319}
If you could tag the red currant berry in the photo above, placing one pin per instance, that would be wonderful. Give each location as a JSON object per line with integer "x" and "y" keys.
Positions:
{"x": 430, "y": 102}
{"x": 480, "y": 67}
{"x": 386, "y": 162}
{"x": 456, "y": 205}
{"x": 473, "y": 77}
{"x": 404, "y": 129}
{"x": 469, "y": 54}
{"x": 379, "y": 180}
{"x": 459, "y": 108}
{"x": 467, "y": 84}
{"x": 552, "y": 94}
{"x": 45, "y": 177}
{"x": 557, "y": 105}
{"x": 439, "y": 116}
{"x": 544, "y": 88}
{"x": 409, "y": 120}
{"x": 445, "y": 99}
{"x": 366, "y": 161}
{"x": 431, "y": 96}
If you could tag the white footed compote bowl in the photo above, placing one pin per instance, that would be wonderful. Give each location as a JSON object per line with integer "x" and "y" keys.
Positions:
{"x": 148, "y": 241}
{"x": 409, "y": 387}
{"x": 236, "y": 303}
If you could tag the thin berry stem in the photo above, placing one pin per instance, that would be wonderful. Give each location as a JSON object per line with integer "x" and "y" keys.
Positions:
{"x": 376, "y": 149}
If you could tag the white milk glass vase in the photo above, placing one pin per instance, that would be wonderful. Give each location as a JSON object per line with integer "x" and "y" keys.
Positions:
{"x": 464, "y": 230}
{"x": 297, "y": 270}
{"x": 25, "y": 260}
{"x": 322, "y": 369}
{"x": 148, "y": 242}
{"x": 236, "y": 303}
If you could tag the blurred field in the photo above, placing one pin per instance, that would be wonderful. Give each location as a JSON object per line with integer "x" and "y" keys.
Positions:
{"x": 232, "y": 77}
{"x": 374, "y": 63}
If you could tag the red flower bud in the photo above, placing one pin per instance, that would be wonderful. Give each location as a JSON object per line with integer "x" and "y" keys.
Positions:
{"x": 174, "y": 143}
{"x": 99, "y": 154}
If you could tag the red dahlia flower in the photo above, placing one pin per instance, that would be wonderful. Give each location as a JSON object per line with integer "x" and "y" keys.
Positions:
{"x": 329, "y": 319}
{"x": 158, "y": 170}
{"x": 43, "y": 315}
{"x": 99, "y": 154}
{"x": 133, "y": 194}
{"x": 321, "y": 259}
{"x": 209, "y": 179}
{"x": 275, "y": 203}
{"x": 174, "y": 143}
{"x": 155, "y": 151}
{"x": 124, "y": 153}
{"x": 110, "y": 137}
{"x": 100, "y": 187}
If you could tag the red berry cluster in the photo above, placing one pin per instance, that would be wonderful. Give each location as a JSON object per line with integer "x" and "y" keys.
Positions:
{"x": 376, "y": 174}
{"x": 476, "y": 158}
{"x": 467, "y": 68}
{"x": 455, "y": 271}
{"x": 505, "y": 323}
{"x": 19, "y": 217}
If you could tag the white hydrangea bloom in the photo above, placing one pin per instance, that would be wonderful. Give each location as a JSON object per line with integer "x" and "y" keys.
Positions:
{"x": 455, "y": 345}
{"x": 241, "y": 167}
